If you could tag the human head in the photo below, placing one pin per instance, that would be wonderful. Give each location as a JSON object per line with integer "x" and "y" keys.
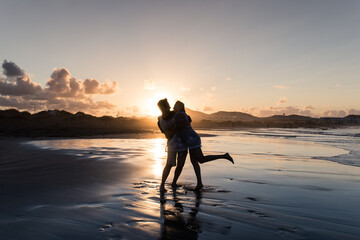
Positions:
{"x": 179, "y": 106}
{"x": 164, "y": 105}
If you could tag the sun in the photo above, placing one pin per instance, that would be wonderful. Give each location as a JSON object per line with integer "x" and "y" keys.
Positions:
{"x": 153, "y": 110}
{"x": 151, "y": 107}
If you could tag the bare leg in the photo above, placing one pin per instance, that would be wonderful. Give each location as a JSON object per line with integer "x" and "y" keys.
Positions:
{"x": 198, "y": 154}
{"x": 165, "y": 174}
{"x": 181, "y": 157}
{"x": 197, "y": 170}
{"x": 167, "y": 169}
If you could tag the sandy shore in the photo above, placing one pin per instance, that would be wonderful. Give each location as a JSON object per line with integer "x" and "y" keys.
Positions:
{"x": 51, "y": 194}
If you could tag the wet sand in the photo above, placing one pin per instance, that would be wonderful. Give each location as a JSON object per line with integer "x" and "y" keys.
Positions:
{"x": 107, "y": 192}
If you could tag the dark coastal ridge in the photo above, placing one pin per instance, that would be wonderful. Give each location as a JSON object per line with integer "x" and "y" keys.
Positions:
{"x": 60, "y": 123}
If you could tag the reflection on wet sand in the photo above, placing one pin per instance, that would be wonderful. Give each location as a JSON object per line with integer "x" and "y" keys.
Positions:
{"x": 176, "y": 223}
{"x": 159, "y": 155}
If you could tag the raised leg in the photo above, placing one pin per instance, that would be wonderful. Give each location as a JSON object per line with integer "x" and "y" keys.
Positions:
{"x": 198, "y": 154}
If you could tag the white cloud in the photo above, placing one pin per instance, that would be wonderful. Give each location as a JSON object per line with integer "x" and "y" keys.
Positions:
{"x": 61, "y": 92}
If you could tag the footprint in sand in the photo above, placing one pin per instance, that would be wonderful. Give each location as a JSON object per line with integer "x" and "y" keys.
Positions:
{"x": 287, "y": 229}
{"x": 259, "y": 214}
{"x": 107, "y": 227}
{"x": 252, "y": 199}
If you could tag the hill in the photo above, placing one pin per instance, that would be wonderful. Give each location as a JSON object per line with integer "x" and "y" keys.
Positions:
{"x": 56, "y": 123}
{"x": 59, "y": 123}
{"x": 220, "y": 116}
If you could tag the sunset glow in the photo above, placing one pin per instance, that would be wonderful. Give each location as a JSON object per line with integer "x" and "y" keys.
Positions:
{"x": 158, "y": 156}
{"x": 150, "y": 104}
{"x": 263, "y": 58}
{"x": 264, "y": 143}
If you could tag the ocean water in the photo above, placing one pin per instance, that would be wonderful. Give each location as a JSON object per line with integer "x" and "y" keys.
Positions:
{"x": 347, "y": 139}
{"x": 337, "y": 145}
{"x": 285, "y": 184}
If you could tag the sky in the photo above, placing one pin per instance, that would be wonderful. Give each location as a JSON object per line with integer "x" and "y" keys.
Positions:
{"x": 120, "y": 57}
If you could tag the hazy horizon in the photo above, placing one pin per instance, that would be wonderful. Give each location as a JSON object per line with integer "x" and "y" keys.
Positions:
{"x": 189, "y": 111}
{"x": 119, "y": 58}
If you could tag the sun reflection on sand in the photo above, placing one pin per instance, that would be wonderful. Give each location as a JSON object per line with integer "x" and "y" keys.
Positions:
{"x": 159, "y": 156}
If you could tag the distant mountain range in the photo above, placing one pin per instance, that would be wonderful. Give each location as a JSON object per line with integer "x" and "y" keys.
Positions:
{"x": 59, "y": 123}
{"x": 240, "y": 116}
{"x": 220, "y": 116}
{"x": 56, "y": 123}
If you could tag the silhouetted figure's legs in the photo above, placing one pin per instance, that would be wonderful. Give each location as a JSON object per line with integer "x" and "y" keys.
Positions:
{"x": 198, "y": 154}
{"x": 170, "y": 158}
{"x": 196, "y": 166}
{"x": 181, "y": 157}
{"x": 165, "y": 174}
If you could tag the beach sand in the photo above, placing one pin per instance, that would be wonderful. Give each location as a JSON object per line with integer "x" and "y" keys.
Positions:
{"x": 94, "y": 189}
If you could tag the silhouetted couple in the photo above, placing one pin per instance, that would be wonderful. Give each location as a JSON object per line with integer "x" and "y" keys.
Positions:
{"x": 176, "y": 125}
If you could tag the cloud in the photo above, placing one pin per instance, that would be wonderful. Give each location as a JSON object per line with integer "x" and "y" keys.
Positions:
{"x": 309, "y": 107}
{"x": 16, "y": 83}
{"x": 340, "y": 113}
{"x": 21, "y": 86}
{"x": 61, "y": 84}
{"x": 208, "y": 109}
{"x": 149, "y": 84}
{"x": 282, "y": 100}
{"x": 228, "y": 79}
{"x": 92, "y": 86}
{"x": 353, "y": 111}
{"x": 305, "y": 111}
{"x": 20, "y": 103}
{"x": 213, "y": 88}
{"x": 12, "y": 70}
{"x": 282, "y": 87}
{"x": 270, "y": 111}
{"x": 86, "y": 105}
{"x": 334, "y": 113}
{"x": 62, "y": 91}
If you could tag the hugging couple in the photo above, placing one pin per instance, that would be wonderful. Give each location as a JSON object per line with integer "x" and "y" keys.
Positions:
{"x": 176, "y": 125}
